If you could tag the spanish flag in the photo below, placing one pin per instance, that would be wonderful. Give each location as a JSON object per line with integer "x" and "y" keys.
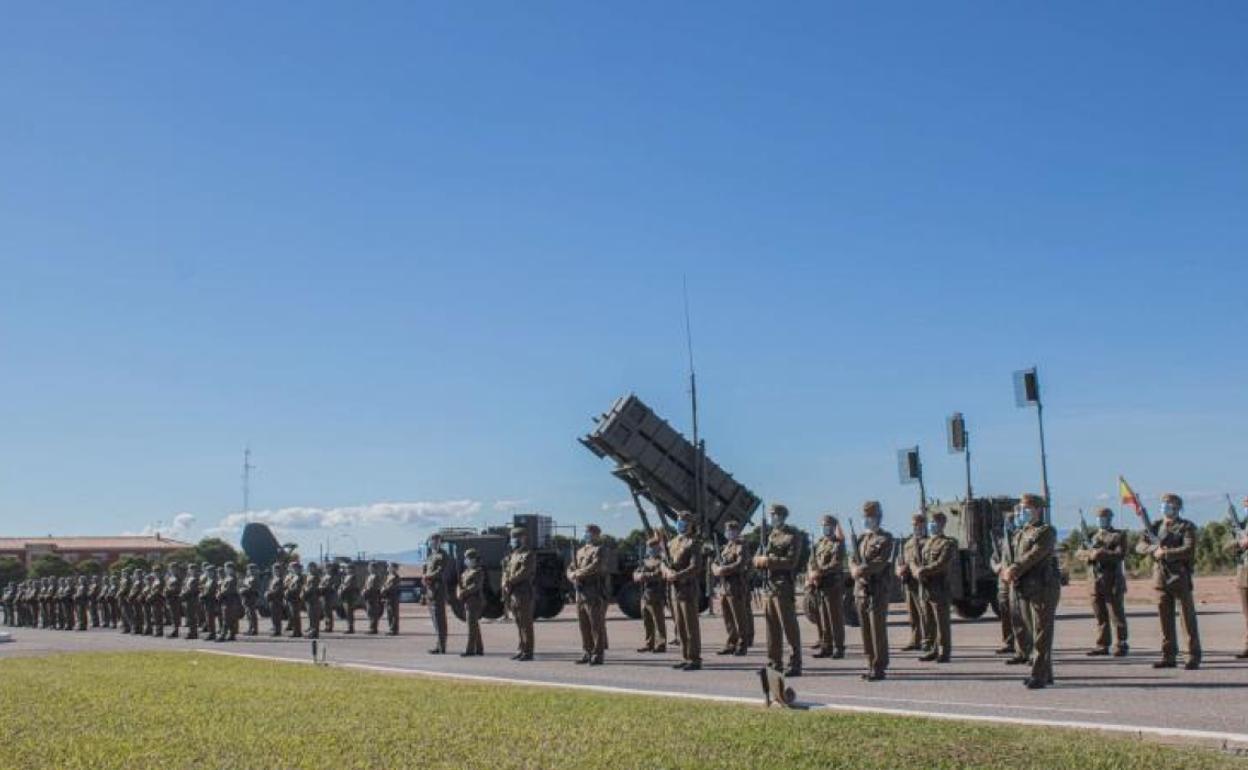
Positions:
{"x": 1128, "y": 496}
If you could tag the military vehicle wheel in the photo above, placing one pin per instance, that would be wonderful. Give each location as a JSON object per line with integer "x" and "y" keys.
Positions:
{"x": 970, "y": 609}
{"x": 628, "y": 599}
{"x": 457, "y": 609}
{"x": 548, "y": 604}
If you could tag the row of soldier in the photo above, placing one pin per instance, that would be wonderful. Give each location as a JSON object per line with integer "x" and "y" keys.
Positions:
{"x": 207, "y": 599}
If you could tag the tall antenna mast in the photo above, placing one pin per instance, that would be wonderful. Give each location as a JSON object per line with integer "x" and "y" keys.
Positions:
{"x": 247, "y": 469}
{"x": 693, "y": 377}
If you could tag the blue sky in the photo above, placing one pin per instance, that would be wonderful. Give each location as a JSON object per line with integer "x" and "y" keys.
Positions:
{"x": 408, "y": 252}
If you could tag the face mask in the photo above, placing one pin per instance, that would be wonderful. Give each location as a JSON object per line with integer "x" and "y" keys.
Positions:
{"x": 682, "y": 526}
{"x": 934, "y": 529}
{"x": 1023, "y": 517}
{"x": 515, "y": 543}
{"x": 652, "y": 551}
{"x": 1106, "y": 522}
{"x": 1169, "y": 511}
{"x": 777, "y": 521}
{"x": 871, "y": 523}
{"x": 471, "y": 563}
{"x": 828, "y": 530}
{"x": 734, "y": 535}
{"x": 587, "y": 538}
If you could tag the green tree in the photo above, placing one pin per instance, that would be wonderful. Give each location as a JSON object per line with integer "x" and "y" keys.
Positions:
{"x": 216, "y": 551}
{"x": 11, "y": 570}
{"x": 131, "y": 563}
{"x": 88, "y": 567}
{"x": 182, "y": 556}
{"x": 50, "y": 565}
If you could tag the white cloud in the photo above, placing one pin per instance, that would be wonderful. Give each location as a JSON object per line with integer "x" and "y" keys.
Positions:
{"x": 422, "y": 515}
{"x": 178, "y": 529}
{"x": 507, "y": 505}
{"x": 617, "y": 505}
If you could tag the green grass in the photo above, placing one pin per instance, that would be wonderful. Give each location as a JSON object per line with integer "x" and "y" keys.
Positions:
{"x": 183, "y": 710}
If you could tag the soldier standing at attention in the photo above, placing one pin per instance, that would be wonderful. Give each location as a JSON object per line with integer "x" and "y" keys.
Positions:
{"x": 208, "y": 599}
{"x": 231, "y": 604}
{"x": 372, "y": 595}
{"x": 826, "y": 576}
{"x": 82, "y": 601}
{"x": 348, "y": 596}
{"x": 434, "y": 580}
{"x": 649, "y": 578}
{"x": 733, "y": 570}
{"x": 190, "y": 601}
{"x": 311, "y": 596}
{"x": 682, "y": 574}
{"x": 142, "y": 614}
{"x": 1108, "y": 586}
{"x": 274, "y": 596}
{"x": 1005, "y": 602}
{"x": 1038, "y": 585}
{"x": 156, "y": 599}
{"x": 519, "y": 572}
{"x": 870, "y": 572}
{"x": 250, "y": 593}
{"x": 933, "y": 574}
{"x": 173, "y": 598}
{"x": 294, "y": 599}
{"x": 123, "y": 601}
{"x": 469, "y": 593}
{"x": 390, "y": 596}
{"x": 95, "y": 587}
{"x": 779, "y": 558}
{"x": 1239, "y": 547}
{"x": 1173, "y": 551}
{"x": 922, "y": 633}
{"x": 331, "y": 584}
{"x": 587, "y": 576}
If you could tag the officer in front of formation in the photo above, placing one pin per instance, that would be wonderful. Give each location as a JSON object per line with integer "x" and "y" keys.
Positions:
{"x": 1037, "y": 583}
{"x": 1172, "y": 548}
{"x": 1108, "y": 586}
{"x": 870, "y": 567}
{"x": 825, "y": 575}
{"x": 587, "y": 573}
{"x": 519, "y": 572}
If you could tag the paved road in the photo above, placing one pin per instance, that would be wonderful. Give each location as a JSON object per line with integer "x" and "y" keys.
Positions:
{"x": 1123, "y": 694}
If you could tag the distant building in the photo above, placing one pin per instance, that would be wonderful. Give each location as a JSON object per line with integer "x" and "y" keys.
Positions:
{"x": 105, "y": 550}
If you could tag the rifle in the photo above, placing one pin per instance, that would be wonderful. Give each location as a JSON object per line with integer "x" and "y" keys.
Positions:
{"x": 855, "y": 548}
{"x": 1237, "y": 529}
{"x": 1087, "y": 544}
{"x": 762, "y": 546}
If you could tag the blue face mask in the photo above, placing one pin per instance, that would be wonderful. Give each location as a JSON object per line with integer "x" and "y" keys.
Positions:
{"x": 1023, "y": 517}
{"x": 734, "y": 534}
{"x": 871, "y": 523}
{"x": 777, "y": 521}
{"x": 828, "y": 530}
{"x": 587, "y": 538}
{"x": 934, "y": 529}
{"x": 682, "y": 526}
{"x": 1169, "y": 510}
{"x": 515, "y": 543}
{"x": 1105, "y": 522}
{"x": 652, "y": 551}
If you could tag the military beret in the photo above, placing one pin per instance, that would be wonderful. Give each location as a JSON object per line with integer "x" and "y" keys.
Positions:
{"x": 1171, "y": 497}
{"x": 872, "y": 508}
{"x": 779, "y": 509}
{"x": 940, "y": 516}
{"x": 1032, "y": 500}
{"x": 1104, "y": 512}
{"x": 918, "y": 517}
{"x": 518, "y": 531}
{"x": 828, "y": 519}
{"x": 593, "y": 528}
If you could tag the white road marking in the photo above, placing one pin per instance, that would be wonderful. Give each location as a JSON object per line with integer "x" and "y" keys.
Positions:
{"x": 956, "y": 703}
{"x": 1223, "y": 738}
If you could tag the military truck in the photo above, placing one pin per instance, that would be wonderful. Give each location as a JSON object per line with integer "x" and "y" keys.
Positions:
{"x": 976, "y": 526}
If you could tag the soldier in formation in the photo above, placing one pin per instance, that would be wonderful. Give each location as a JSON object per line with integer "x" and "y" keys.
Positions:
{"x": 519, "y": 573}
{"x": 372, "y": 595}
{"x": 870, "y": 564}
{"x": 921, "y": 623}
{"x": 331, "y": 587}
{"x": 825, "y": 577}
{"x": 1104, "y": 554}
{"x": 310, "y": 597}
{"x": 682, "y": 573}
{"x": 434, "y": 580}
{"x": 1171, "y": 544}
{"x": 249, "y": 592}
{"x": 348, "y": 597}
{"x": 390, "y": 596}
{"x": 649, "y": 578}
{"x": 933, "y": 574}
{"x": 1037, "y": 583}
{"x": 732, "y": 567}
{"x": 587, "y": 574}
{"x": 779, "y": 561}
{"x": 470, "y": 593}
{"x": 1238, "y": 546}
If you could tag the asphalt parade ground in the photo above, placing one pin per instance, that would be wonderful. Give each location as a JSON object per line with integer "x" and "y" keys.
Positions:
{"x": 1124, "y": 695}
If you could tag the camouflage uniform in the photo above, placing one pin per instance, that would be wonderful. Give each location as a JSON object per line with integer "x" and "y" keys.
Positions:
{"x": 231, "y": 604}
{"x": 191, "y": 603}
{"x": 250, "y": 594}
{"x": 348, "y": 597}
{"x": 390, "y": 597}
{"x": 519, "y": 571}
{"x": 173, "y": 599}
{"x": 331, "y": 583}
{"x": 372, "y": 595}
{"x": 82, "y": 601}
{"x": 209, "y": 588}
{"x": 274, "y": 597}
{"x": 94, "y": 587}
{"x": 294, "y": 599}
{"x": 312, "y": 599}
